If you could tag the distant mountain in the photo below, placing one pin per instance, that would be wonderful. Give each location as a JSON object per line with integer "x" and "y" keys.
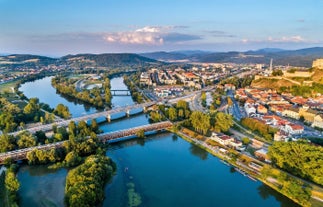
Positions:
{"x": 267, "y": 50}
{"x": 302, "y": 57}
{"x": 105, "y": 60}
{"x": 165, "y": 56}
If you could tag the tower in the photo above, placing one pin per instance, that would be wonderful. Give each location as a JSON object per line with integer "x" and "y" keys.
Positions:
{"x": 271, "y": 65}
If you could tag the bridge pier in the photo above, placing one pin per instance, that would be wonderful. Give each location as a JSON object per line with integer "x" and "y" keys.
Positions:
{"x": 109, "y": 118}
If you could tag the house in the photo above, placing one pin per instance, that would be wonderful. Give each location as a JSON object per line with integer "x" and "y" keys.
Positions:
{"x": 250, "y": 109}
{"x": 308, "y": 113}
{"x": 236, "y": 144}
{"x": 257, "y": 144}
{"x": 292, "y": 113}
{"x": 261, "y": 109}
{"x": 262, "y": 154}
{"x": 229, "y": 86}
{"x": 222, "y": 139}
{"x": 293, "y": 129}
{"x": 318, "y": 121}
{"x": 280, "y": 135}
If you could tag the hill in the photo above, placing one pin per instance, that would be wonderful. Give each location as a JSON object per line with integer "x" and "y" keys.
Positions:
{"x": 277, "y": 82}
{"x": 106, "y": 60}
{"x": 19, "y": 60}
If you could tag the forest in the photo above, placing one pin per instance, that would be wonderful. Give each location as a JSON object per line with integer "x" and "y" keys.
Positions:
{"x": 299, "y": 158}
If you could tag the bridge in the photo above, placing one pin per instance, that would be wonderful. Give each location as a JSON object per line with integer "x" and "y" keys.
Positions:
{"x": 110, "y": 137}
{"x": 107, "y": 114}
{"x": 120, "y": 92}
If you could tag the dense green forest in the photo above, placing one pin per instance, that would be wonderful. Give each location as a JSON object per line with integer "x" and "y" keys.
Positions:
{"x": 299, "y": 158}
{"x": 85, "y": 183}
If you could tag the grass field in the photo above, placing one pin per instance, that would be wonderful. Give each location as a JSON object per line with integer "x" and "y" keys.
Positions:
{"x": 8, "y": 86}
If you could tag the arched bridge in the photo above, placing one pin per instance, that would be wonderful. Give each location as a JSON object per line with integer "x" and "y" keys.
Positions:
{"x": 109, "y": 137}
{"x": 107, "y": 114}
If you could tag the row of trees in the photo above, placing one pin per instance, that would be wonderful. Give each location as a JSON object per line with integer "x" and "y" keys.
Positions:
{"x": 299, "y": 158}
{"x": 85, "y": 183}
{"x": 132, "y": 82}
{"x": 66, "y": 86}
{"x": 261, "y": 128}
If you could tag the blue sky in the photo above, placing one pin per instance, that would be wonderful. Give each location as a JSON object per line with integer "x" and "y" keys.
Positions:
{"x": 59, "y": 27}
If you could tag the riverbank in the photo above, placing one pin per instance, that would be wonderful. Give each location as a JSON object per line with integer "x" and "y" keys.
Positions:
{"x": 246, "y": 171}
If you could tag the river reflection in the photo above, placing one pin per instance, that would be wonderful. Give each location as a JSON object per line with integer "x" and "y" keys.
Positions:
{"x": 162, "y": 170}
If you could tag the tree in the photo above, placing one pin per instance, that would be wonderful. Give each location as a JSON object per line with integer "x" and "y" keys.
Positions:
{"x": 62, "y": 111}
{"x": 223, "y": 122}
{"x": 200, "y": 121}
{"x": 277, "y": 73}
{"x": 7, "y": 143}
{"x": 140, "y": 133}
{"x": 25, "y": 140}
{"x": 32, "y": 107}
{"x": 172, "y": 114}
{"x": 12, "y": 183}
{"x": 245, "y": 140}
{"x": 94, "y": 125}
{"x": 299, "y": 158}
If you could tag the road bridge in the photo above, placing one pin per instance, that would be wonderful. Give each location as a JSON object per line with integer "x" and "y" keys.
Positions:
{"x": 110, "y": 137}
{"x": 107, "y": 114}
{"x": 120, "y": 92}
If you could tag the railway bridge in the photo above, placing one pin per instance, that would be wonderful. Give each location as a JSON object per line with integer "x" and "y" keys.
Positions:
{"x": 110, "y": 137}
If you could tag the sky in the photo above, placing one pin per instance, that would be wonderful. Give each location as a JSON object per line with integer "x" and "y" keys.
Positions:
{"x": 61, "y": 27}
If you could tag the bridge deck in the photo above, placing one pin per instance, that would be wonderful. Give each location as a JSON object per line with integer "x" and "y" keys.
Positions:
{"x": 62, "y": 123}
{"x": 106, "y": 137}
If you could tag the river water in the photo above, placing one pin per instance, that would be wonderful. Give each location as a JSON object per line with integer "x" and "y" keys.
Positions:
{"x": 163, "y": 170}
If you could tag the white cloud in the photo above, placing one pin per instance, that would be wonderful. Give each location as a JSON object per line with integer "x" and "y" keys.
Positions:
{"x": 284, "y": 39}
{"x": 149, "y": 35}
{"x": 296, "y": 38}
{"x": 146, "y": 35}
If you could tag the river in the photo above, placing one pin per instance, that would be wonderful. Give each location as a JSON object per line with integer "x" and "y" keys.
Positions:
{"x": 163, "y": 170}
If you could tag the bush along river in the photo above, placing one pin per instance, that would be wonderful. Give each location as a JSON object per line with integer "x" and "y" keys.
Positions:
{"x": 161, "y": 170}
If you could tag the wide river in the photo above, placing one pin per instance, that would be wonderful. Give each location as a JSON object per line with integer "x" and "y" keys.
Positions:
{"x": 163, "y": 170}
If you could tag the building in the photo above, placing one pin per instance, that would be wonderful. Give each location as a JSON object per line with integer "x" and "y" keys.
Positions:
{"x": 236, "y": 144}
{"x": 261, "y": 109}
{"x": 222, "y": 139}
{"x": 318, "y": 121}
{"x": 292, "y": 113}
{"x": 293, "y": 129}
{"x": 308, "y": 113}
{"x": 145, "y": 79}
{"x": 262, "y": 154}
{"x": 257, "y": 144}
{"x": 318, "y": 63}
{"x": 250, "y": 109}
